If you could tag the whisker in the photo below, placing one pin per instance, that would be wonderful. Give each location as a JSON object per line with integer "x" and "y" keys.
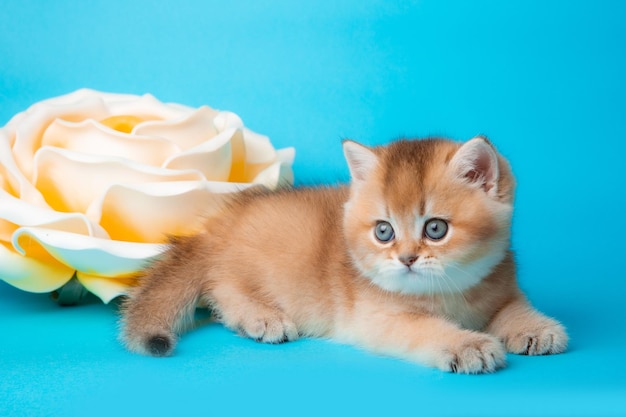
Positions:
{"x": 458, "y": 291}
{"x": 431, "y": 289}
{"x": 445, "y": 278}
{"x": 430, "y": 295}
{"x": 459, "y": 270}
{"x": 442, "y": 297}
{"x": 451, "y": 265}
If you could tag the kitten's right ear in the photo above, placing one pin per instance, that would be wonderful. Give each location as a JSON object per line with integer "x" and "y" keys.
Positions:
{"x": 361, "y": 160}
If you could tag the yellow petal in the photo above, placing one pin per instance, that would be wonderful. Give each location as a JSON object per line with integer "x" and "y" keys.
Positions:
{"x": 14, "y": 182}
{"x": 213, "y": 157}
{"x": 16, "y": 213}
{"x": 259, "y": 154}
{"x": 227, "y": 120}
{"x": 86, "y": 254}
{"x": 150, "y": 212}
{"x": 90, "y": 137}
{"x": 259, "y": 150}
{"x": 6, "y": 230}
{"x": 238, "y": 168}
{"x": 27, "y": 273}
{"x": 277, "y": 175}
{"x": 286, "y": 155}
{"x": 123, "y": 123}
{"x": 106, "y": 288}
{"x": 146, "y": 107}
{"x": 72, "y": 181}
{"x": 79, "y": 105}
{"x": 186, "y": 133}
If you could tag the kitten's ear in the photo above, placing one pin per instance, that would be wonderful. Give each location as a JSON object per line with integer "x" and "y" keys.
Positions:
{"x": 476, "y": 163}
{"x": 361, "y": 160}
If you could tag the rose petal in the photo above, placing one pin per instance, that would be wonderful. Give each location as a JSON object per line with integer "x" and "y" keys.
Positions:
{"x": 278, "y": 174}
{"x": 106, "y": 288}
{"x": 32, "y": 274}
{"x": 14, "y": 181}
{"x": 15, "y": 213}
{"x": 185, "y": 132}
{"x": 145, "y": 106}
{"x": 130, "y": 212}
{"x": 259, "y": 150}
{"x": 238, "y": 168}
{"x": 71, "y": 181}
{"x": 10, "y": 128}
{"x": 94, "y": 138}
{"x": 213, "y": 157}
{"x": 227, "y": 120}
{"x": 29, "y": 131}
{"x": 260, "y": 154}
{"x": 90, "y": 255}
{"x": 286, "y": 155}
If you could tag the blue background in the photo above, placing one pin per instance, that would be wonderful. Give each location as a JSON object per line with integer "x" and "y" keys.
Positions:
{"x": 544, "y": 80}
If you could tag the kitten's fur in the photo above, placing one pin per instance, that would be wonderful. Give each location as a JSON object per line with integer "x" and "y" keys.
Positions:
{"x": 306, "y": 262}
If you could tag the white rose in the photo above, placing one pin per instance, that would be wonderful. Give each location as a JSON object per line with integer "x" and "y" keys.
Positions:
{"x": 91, "y": 183}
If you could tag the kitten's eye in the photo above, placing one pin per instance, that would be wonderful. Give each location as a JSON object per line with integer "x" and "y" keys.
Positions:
{"x": 436, "y": 229}
{"x": 384, "y": 232}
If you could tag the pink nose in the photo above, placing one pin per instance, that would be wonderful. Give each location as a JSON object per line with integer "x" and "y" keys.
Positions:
{"x": 408, "y": 260}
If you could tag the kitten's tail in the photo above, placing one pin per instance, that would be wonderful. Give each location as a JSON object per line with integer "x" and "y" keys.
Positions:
{"x": 163, "y": 303}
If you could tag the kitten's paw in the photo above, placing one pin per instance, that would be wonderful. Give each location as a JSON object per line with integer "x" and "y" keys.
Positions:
{"x": 546, "y": 338}
{"x": 475, "y": 353}
{"x": 269, "y": 327}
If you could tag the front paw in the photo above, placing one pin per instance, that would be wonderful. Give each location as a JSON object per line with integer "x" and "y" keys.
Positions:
{"x": 473, "y": 353}
{"x": 547, "y": 337}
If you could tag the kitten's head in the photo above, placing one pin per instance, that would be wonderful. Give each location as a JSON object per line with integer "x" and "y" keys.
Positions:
{"x": 428, "y": 216}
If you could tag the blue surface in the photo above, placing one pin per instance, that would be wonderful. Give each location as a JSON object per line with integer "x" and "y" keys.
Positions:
{"x": 544, "y": 80}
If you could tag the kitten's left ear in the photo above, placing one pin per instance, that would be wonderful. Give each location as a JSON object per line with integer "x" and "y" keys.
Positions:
{"x": 361, "y": 160}
{"x": 476, "y": 163}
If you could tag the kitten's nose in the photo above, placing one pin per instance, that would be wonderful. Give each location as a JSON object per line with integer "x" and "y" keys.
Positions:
{"x": 408, "y": 260}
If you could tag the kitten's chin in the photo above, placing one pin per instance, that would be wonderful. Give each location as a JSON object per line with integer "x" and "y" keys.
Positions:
{"x": 413, "y": 282}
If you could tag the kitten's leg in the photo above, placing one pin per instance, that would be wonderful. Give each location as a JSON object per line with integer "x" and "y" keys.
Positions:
{"x": 250, "y": 315}
{"x": 526, "y": 331}
{"x": 431, "y": 341}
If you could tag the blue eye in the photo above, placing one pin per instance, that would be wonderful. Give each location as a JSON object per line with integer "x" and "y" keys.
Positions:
{"x": 384, "y": 232}
{"x": 436, "y": 229}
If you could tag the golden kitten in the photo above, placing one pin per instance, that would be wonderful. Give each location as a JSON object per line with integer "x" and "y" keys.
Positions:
{"x": 412, "y": 260}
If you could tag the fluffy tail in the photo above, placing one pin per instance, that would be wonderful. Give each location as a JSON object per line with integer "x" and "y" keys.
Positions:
{"x": 163, "y": 303}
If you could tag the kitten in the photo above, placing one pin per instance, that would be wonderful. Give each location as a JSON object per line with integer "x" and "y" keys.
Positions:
{"x": 412, "y": 260}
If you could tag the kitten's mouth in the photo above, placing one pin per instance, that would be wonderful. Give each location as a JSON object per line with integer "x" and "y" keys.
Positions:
{"x": 421, "y": 272}
{"x": 412, "y": 272}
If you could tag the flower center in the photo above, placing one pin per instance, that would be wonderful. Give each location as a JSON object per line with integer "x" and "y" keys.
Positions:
{"x": 122, "y": 123}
